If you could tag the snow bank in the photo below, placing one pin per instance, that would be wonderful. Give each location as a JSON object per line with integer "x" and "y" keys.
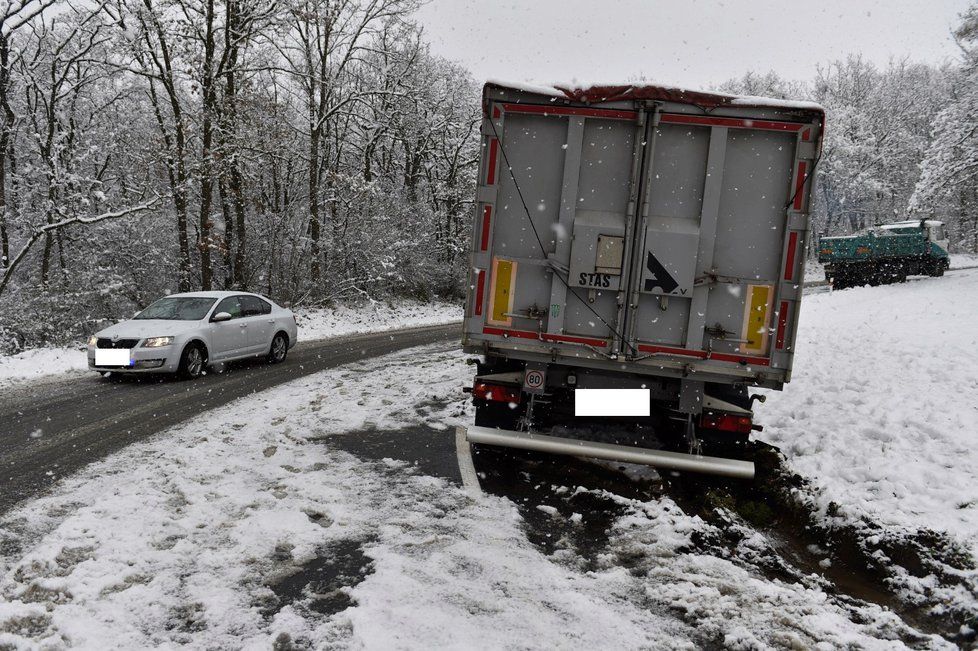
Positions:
{"x": 40, "y": 362}
{"x": 962, "y": 260}
{"x": 371, "y": 317}
{"x": 882, "y": 411}
{"x": 814, "y": 271}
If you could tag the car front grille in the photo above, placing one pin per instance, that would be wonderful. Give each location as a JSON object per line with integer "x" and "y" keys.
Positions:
{"x": 120, "y": 343}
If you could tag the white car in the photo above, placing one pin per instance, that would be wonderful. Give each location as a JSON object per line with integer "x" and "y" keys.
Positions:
{"x": 183, "y": 333}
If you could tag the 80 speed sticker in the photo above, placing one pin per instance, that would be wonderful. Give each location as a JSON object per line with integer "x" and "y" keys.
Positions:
{"x": 534, "y": 379}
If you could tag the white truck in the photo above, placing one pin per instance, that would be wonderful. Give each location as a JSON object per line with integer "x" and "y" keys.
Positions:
{"x": 637, "y": 254}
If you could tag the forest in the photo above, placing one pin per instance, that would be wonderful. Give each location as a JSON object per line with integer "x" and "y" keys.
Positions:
{"x": 317, "y": 151}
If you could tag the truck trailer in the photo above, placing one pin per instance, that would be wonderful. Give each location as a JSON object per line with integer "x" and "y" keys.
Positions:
{"x": 637, "y": 257}
{"x": 885, "y": 254}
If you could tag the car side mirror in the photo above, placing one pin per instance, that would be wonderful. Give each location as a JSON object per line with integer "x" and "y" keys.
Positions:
{"x": 221, "y": 316}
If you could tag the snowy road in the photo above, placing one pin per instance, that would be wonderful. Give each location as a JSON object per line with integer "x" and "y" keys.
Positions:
{"x": 52, "y": 428}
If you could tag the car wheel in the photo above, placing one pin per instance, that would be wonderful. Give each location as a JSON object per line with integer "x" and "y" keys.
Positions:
{"x": 279, "y": 349}
{"x": 193, "y": 361}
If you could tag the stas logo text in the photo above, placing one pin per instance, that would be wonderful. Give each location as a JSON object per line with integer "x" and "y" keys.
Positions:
{"x": 594, "y": 280}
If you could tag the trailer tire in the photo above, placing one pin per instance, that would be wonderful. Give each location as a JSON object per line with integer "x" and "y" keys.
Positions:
{"x": 841, "y": 278}
{"x": 938, "y": 268}
{"x": 874, "y": 276}
{"x": 902, "y": 273}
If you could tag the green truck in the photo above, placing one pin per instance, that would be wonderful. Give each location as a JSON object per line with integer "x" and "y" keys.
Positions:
{"x": 885, "y": 254}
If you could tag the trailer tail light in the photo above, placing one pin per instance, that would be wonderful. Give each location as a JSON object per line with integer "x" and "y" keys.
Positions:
{"x": 496, "y": 392}
{"x": 726, "y": 422}
{"x": 825, "y": 251}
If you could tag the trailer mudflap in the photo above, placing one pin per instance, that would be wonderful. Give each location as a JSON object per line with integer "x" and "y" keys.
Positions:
{"x": 734, "y": 468}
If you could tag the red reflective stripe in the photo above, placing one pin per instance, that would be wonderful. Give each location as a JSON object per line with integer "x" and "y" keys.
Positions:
{"x": 486, "y": 214}
{"x": 479, "y": 291}
{"x": 544, "y": 336}
{"x": 806, "y": 135}
{"x": 538, "y": 109}
{"x": 495, "y": 112}
{"x": 736, "y": 123}
{"x": 789, "y": 265}
{"x": 491, "y": 172}
{"x": 800, "y": 184}
{"x": 782, "y": 325}
{"x": 702, "y": 354}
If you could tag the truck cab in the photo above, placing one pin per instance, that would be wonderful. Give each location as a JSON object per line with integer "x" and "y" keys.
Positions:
{"x": 937, "y": 236}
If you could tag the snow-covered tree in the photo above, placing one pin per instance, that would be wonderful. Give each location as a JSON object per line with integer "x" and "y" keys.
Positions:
{"x": 309, "y": 149}
{"x": 948, "y": 185}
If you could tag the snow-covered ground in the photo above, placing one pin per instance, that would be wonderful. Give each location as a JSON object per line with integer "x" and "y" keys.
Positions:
{"x": 181, "y": 540}
{"x": 813, "y": 271}
{"x": 961, "y": 260}
{"x": 882, "y": 411}
{"x": 313, "y": 324}
{"x": 38, "y": 363}
{"x": 374, "y": 316}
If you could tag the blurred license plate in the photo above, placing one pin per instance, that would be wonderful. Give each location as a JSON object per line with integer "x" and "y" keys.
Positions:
{"x": 113, "y": 357}
{"x": 611, "y": 402}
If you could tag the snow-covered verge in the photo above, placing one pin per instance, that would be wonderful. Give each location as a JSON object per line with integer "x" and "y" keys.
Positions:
{"x": 40, "y": 362}
{"x": 881, "y": 415}
{"x": 814, "y": 271}
{"x": 962, "y": 260}
{"x": 181, "y": 540}
{"x": 320, "y": 323}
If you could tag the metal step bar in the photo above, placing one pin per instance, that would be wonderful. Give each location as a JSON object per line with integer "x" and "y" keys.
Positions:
{"x": 574, "y": 447}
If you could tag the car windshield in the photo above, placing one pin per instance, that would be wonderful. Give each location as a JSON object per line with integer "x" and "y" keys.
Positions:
{"x": 178, "y": 309}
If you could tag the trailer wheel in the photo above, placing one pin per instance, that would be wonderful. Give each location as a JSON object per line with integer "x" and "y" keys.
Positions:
{"x": 895, "y": 273}
{"x": 938, "y": 268}
{"x": 874, "y": 276}
{"x": 839, "y": 278}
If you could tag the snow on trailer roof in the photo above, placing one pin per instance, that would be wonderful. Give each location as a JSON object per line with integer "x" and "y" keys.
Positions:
{"x": 600, "y": 93}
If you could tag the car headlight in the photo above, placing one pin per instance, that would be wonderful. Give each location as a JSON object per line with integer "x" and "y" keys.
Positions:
{"x": 92, "y": 340}
{"x": 156, "y": 342}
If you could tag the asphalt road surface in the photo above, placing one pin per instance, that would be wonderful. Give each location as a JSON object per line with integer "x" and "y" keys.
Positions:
{"x": 49, "y": 429}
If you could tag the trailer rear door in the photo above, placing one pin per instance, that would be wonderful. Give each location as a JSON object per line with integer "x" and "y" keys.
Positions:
{"x": 642, "y": 231}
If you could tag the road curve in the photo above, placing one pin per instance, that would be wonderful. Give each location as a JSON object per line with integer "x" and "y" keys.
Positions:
{"x": 50, "y": 429}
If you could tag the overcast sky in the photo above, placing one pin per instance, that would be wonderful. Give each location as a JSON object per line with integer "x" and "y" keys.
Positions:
{"x": 684, "y": 42}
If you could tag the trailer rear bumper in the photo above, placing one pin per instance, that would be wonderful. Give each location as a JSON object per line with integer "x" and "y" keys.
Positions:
{"x": 657, "y": 458}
